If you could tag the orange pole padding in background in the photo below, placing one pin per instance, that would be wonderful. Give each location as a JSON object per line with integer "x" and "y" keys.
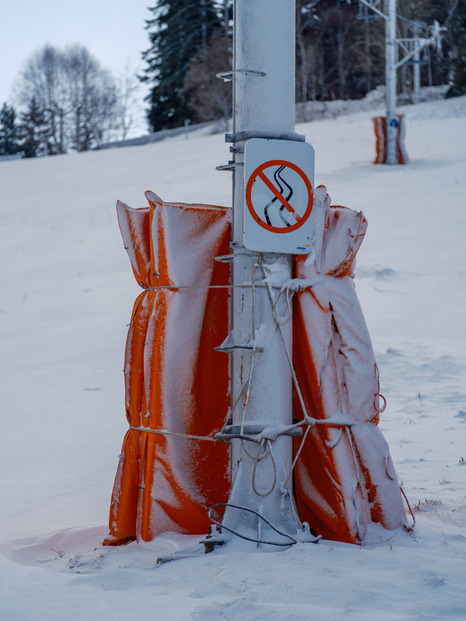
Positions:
{"x": 174, "y": 379}
{"x": 380, "y": 129}
{"x": 344, "y": 477}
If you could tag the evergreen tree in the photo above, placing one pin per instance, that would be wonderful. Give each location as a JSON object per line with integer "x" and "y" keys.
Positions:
{"x": 178, "y": 30}
{"x": 32, "y": 130}
{"x": 8, "y": 130}
{"x": 458, "y": 50}
{"x": 76, "y": 95}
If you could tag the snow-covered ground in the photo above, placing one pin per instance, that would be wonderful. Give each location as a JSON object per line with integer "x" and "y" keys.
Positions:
{"x": 66, "y": 296}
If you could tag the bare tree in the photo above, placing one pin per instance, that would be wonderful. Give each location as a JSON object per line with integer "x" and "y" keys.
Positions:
{"x": 102, "y": 111}
{"x": 309, "y": 51}
{"x": 127, "y": 86}
{"x": 209, "y": 97}
{"x": 43, "y": 79}
{"x": 77, "y": 95}
{"x": 337, "y": 54}
{"x": 93, "y": 97}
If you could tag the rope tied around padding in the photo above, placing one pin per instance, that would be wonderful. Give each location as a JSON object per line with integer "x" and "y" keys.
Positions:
{"x": 245, "y": 285}
{"x": 288, "y": 289}
{"x": 165, "y": 432}
{"x": 265, "y": 439}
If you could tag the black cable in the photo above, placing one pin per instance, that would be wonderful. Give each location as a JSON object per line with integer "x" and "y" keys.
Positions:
{"x": 230, "y": 530}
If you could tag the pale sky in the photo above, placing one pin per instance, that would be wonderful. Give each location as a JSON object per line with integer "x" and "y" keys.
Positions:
{"x": 112, "y": 30}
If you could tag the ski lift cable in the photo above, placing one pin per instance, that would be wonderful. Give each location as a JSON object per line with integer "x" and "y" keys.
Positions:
{"x": 450, "y": 14}
{"x": 373, "y": 8}
{"x": 414, "y": 23}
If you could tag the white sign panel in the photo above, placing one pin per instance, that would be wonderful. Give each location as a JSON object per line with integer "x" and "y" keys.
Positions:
{"x": 279, "y": 177}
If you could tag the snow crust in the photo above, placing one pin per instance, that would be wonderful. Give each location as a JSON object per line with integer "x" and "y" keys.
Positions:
{"x": 66, "y": 298}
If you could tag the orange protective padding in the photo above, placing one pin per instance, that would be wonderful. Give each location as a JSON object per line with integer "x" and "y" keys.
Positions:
{"x": 380, "y": 130}
{"x": 344, "y": 476}
{"x": 174, "y": 380}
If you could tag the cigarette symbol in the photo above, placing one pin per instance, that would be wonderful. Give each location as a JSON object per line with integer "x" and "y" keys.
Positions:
{"x": 279, "y": 196}
{"x": 275, "y": 175}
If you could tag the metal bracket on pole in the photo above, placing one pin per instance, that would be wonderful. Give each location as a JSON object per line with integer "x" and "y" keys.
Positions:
{"x": 242, "y": 431}
{"x": 230, "y": 167}
{"x": 230, "y": 76}
{"x": 247, "y": 135}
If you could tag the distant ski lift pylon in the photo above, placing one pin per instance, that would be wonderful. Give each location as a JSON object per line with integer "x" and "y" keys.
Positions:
{"x": 389, "y": 131}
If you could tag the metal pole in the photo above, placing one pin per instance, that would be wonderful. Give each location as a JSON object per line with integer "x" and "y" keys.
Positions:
{"x": 264, "y": 106}
{"x": 390, "y": 71}
{"x": 417, "y": 66}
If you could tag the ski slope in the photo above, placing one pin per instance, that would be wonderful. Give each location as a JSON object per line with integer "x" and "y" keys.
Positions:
{"x": 66, "y": 296}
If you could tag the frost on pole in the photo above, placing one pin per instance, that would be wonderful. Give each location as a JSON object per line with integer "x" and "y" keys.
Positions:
{"x": 279, "y": 179}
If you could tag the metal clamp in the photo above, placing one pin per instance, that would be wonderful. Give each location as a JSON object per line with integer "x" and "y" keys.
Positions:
{"x": 230, "y": 166}
{"x": 230, "y": 76}
{"x": 252, "y": 429}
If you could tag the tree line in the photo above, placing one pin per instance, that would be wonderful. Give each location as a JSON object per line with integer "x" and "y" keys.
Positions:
{"x": 340, "y": 53}
{"x": 68, "y": 101}
{"x": 340, "y": 47}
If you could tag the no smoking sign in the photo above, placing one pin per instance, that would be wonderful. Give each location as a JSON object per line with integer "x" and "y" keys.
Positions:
{"x": 279, "y": 175}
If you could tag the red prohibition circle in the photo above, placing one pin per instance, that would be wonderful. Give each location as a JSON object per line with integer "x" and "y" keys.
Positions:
{"x": 259, "y": 174}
